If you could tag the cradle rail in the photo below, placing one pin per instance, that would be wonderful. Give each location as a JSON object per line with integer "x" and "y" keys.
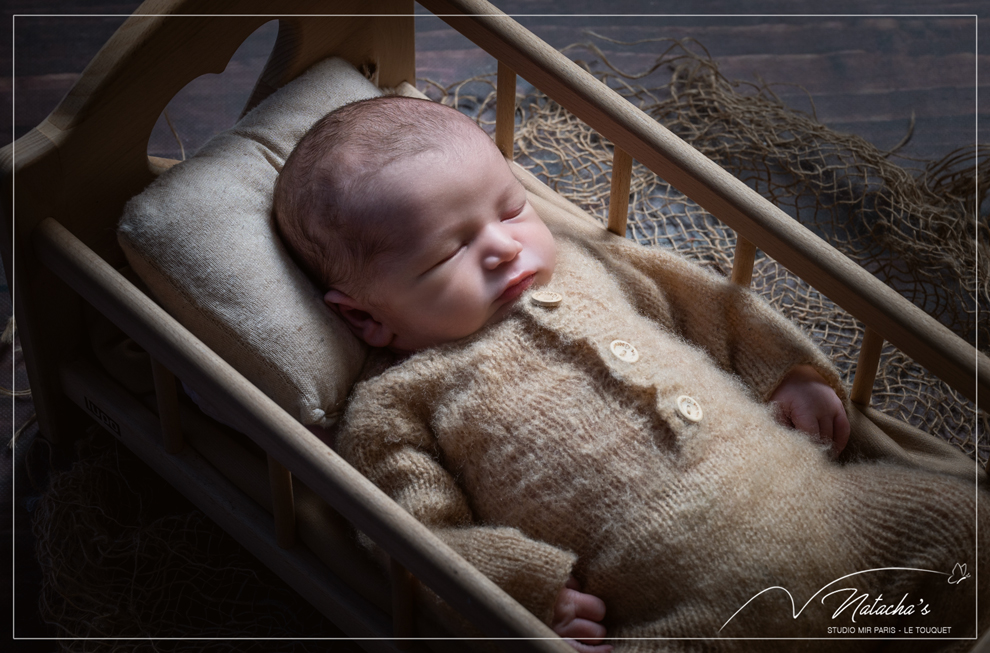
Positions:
{"x": 357, "y": 499}
{"x": 755, "y": 220}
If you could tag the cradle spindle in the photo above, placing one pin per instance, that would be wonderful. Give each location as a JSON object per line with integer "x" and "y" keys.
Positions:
{"x": 403, "y": 605}
{"x": 283, "y": 503}
{"x": 618, "y": 202}
{"x": 866, "y": 368}
{"x": 742, "y": 262}
{"x": 505, "y": 110}
{"x": 168, "y": 407}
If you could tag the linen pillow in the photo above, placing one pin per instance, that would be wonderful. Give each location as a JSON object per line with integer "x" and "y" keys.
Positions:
{"x": 203, "y": 239}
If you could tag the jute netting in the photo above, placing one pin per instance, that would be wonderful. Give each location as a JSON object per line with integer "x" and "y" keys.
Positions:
{"x": 119, "y": 560}
{"x": 125, "y": 557}
{"x": 917, "y": 230}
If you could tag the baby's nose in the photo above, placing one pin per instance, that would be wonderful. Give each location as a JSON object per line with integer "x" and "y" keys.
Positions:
{"x": 502, "y": 248}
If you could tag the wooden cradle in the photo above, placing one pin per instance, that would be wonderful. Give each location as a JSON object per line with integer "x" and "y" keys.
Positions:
{"x": 68, "y": 179}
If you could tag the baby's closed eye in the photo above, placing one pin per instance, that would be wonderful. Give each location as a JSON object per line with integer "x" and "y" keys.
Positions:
{"x": 450, "y": 254}
{"x": 513, "y": 213}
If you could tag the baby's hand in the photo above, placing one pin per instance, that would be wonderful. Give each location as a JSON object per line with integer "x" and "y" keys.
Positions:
{"x": 576, "y": 616}
{"x": 809, "y": 404}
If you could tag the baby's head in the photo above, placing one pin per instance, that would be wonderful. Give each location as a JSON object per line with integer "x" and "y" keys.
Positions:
{"x": 408, "y": 215}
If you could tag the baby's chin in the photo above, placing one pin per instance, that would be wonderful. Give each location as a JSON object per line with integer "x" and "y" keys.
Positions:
{"x": 510, "y": 306}
{"x": 501, "y": 313}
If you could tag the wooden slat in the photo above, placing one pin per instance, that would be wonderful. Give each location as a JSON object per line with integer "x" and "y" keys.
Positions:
{"x": 283, "y": 504}
{"x": 618, "y": 197}
{"x": 866, "y": 367}
{"x": 320, "y": 468}
{"x": 168, "y": 407}
{"x": 753, "y": 217}
{"x": 505, "y": 110}
{"x": 403, "y": 605}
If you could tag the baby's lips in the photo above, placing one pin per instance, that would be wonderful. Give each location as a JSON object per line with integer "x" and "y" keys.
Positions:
{"x": 517, "y": 287}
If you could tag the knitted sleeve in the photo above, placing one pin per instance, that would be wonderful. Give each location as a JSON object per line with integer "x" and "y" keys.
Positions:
{"x": 739, "y": 329}
{"x": 386, "y": 439}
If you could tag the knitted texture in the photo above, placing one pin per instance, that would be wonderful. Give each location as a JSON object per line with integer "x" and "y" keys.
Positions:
{"x": 535, "y": 451}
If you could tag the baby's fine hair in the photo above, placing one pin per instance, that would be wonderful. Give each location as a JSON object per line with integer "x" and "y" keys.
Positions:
{"x": 327, "y": 202}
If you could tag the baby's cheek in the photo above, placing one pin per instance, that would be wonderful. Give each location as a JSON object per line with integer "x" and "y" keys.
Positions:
{"x": 462, "y": 312}
{"x": 546, "y": 247}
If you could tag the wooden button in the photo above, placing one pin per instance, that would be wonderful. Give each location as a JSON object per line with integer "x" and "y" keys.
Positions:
{"x": 546, "y": 298}
{"x": 689, "y": 408}
{"x": 624, "y": 351}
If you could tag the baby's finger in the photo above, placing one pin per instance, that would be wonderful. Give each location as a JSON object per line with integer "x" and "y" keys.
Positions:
{"x": 568, "y": 607}
{"x": 781, "y": 414}
{"x": 588, "y": 606}
{"x": 806, "y": 423}
{"x": 840, "y": 432}
{"x": 589, "y": 632}
{"x": 825, "y": 429}
{"x": 589, "y": 648}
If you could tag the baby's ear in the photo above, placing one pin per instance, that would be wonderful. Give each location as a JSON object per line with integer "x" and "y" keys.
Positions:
{"x": 359, "y": 318}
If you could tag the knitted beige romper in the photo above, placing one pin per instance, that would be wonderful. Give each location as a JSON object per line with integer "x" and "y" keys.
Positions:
{"x": 621, "y": 436}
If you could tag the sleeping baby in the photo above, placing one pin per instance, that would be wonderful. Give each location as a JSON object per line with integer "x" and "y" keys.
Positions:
{"x": 644, "y": 455}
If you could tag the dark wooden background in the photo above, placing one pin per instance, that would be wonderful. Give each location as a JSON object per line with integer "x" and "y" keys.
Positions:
{"x": 868, "y": 66}
{"x": 867, "y": 71}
